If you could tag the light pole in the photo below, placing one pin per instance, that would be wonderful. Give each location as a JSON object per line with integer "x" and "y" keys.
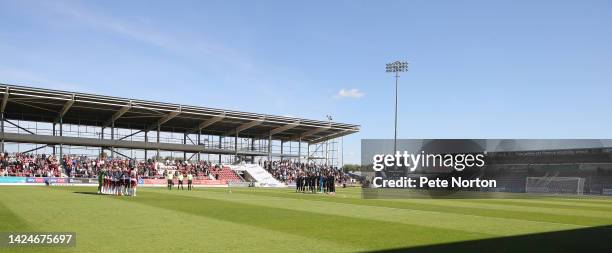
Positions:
{"x": 329, "y": 119}
{"x": 396, "y": 67}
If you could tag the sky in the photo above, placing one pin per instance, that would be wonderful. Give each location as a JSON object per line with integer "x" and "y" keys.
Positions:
{"x": 478, "y": 69}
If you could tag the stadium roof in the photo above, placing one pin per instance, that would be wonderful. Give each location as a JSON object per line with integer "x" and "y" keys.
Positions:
{"x": 46, "y": 105}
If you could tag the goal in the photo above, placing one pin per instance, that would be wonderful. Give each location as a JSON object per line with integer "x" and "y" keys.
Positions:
{"x": 562, "y": 185}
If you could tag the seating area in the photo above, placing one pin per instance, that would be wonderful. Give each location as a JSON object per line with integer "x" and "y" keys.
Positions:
{"x": 227, "y": 174}
{"x": 83, "y": 167}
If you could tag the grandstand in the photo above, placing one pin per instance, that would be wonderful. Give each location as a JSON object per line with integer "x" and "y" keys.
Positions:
{"x": 54, "y": 120}
{"x": 55, "y": 123}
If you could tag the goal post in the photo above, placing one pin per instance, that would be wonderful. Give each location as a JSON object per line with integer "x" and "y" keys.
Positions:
{"x": 555, "y": 185}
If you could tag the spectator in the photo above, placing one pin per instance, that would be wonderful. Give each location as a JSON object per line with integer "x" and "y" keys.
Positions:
{"x": 85, "y": 167}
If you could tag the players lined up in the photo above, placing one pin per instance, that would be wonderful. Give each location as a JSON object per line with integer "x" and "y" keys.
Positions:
{"x": 120, "y": 182}
{"x": 123, "y": 182}
{"x": 180, "y": 176}
{"x": 316, "y": 182}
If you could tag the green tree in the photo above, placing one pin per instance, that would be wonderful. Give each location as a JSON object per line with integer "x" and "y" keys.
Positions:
{"x": 351, "y": 167}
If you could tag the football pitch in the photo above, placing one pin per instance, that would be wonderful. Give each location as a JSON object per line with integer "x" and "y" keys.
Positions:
{"x": 280, "y": 220}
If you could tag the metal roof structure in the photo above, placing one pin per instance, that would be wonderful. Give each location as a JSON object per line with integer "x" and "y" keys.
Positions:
{"x": 46, "y": 105}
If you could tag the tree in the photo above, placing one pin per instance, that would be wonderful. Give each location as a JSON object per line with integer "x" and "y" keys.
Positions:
{"x": 351, "y": 167}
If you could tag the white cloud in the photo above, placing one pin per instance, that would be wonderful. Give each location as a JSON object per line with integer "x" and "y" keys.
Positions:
{"x": 350, "y": 93}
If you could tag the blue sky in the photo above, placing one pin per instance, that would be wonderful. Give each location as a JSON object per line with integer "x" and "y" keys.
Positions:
{"x": 479, "y": 69}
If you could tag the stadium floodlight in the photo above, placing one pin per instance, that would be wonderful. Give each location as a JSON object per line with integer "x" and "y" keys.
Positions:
{"x": 329, "y": 119}
{"x": 396, "y": 67}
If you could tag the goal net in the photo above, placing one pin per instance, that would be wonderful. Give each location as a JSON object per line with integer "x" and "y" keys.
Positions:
{"x": 562, "y": 185}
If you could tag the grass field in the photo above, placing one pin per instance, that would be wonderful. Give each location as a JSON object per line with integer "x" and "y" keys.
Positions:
{"x": 280, "y": 220}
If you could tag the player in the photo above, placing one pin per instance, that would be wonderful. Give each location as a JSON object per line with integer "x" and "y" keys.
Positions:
{"x": 302, "y": 182}
{"x": 109, "y": 187}
{"x": 100, "y": 180}
{"x": 118, "y": 181}
{"x": 306, "y": 182}
{"x": 323, "y": 181}
{"x": 180, "y": 180}
{"x": 134, "y": 182}
{"x": 298, "y": 182}
{"x": 317, "y": 180}
{"x": 332, "y": 184}
{"x": 169, "y": 176}
{"x": 313, "y": 183}
{"x": 113, "y": 181}
{"x": 126, "y": 184}
{"x": 106, "y": 182}
{"x": 189, "y": 181}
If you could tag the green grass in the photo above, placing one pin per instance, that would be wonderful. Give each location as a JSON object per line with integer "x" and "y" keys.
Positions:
{"x": 280, "y": 220}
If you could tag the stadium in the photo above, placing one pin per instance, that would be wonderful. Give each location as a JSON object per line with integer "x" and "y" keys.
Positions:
{"x": 247, "y": 196}
{"x": 271, "y": 126}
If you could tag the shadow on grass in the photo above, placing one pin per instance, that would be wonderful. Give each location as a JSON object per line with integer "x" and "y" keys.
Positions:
{"x": 87, "y": 193}
{"x": 593, "y": 239}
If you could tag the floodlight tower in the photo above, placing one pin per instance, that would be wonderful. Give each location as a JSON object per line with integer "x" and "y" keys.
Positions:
{"x": 329, "y": 119}
{"x": 396, "y": 67}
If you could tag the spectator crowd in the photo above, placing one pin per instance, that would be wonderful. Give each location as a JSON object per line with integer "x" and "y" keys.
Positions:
{"x": 289, "y": 172}
{"x": 40, "y": 165}
{"x": 30, "y": 165}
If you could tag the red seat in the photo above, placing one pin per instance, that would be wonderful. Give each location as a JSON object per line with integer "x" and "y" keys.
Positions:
{"x": 228, "y": 174}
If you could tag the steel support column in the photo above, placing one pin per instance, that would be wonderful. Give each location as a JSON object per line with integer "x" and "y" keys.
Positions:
{"x": 2, "y": 126}
{"x": 61, "y": 151}
{"x": 146, "y": 140}
{"x": 199, "y": 133}
{"x": 158, "y": 130}
{"x": 61, "y": 133}
{"x": 54, "y": 135}
{"x": 326, "y": 152}
{"x": 281, "y": 151}
{"x": 269, "y": 147}
{"x": 101, "y": 137}
{"x": 2, "y": 111}
{"x": 253, "y": 149}
{"x": 112, "y": 149}
{"x": 236, "y": 147}
{"x": 220, "y": 146}
{"x": 185, "y": 143}
{"x": 300, "y": 150}
{"x": 308, "y": 153}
